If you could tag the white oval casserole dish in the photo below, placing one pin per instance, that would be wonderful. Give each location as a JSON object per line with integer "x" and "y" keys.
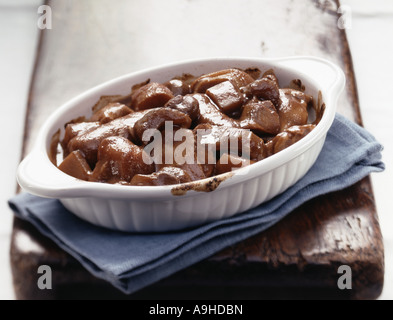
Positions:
{"x": 156, "y": 209}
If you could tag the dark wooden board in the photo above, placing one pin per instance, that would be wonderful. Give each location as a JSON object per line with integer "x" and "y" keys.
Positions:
{"x": 93, "y": 41}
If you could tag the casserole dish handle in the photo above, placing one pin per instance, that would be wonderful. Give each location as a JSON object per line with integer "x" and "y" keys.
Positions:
{"x": 39, "y": 176}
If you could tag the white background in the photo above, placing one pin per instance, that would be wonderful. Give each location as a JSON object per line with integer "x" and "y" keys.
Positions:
{"x": 370, "y": 38}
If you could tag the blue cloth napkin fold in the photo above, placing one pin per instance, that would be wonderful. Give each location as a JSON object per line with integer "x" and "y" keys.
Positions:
{"x": 133, "y": 261}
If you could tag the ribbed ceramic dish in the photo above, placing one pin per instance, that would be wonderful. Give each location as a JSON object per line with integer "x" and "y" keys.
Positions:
{"x": 157, "y": 209}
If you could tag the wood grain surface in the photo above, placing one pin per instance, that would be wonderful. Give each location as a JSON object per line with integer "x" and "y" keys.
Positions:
{"x": 94, "y": 41}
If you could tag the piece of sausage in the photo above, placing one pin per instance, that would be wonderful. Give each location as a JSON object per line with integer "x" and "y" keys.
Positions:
{"x": 151, "y": 95}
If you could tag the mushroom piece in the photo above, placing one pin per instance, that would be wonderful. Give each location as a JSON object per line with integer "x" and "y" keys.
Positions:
{"x": 237, "y": 77}
{"x": 288, "y": 137}
{"x": 120, "y": 160}
{"x": 156, "y": 119}
{"x": 111, "y": 112}
{"x": 76, "y": 166}
{"x": 149, "y": 96}
{"x": 74, "y": 129}
{"x": 88, "y": 141}
{"x": 186, "y": 104}
{"x": 264, "y": 89}
{"x": 210, "y": 113}
{"x": 226, "y": 96}
{"x": 241, "y": 142}
{"x": 179, "y": 87}
{"x": 178, "y": 150}
{"x": 260, "y": 117}
{"x": 293, "y": 108}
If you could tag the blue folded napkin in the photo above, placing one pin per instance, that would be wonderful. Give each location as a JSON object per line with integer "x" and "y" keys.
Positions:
{"x": 133, "y": 261}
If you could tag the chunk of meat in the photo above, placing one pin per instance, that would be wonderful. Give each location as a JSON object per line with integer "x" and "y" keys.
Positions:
{"x": 105, "y": 100}
{"x": 156, "y": 119}
{"x": 111, "y": 112}
{"x": 288, "y": 137}
{"x": 205, "y": 154}
{"x": 152, "y": 95}
{"x": 293, "y": 108}
{"x": 242, "y": 142}
{"x": 166, "y": 176}
{"x": 209, "y": 113}
{"x": 230, "y": 162}
{"x": 237, "y": 77}
{"x": 187, "y": 104}
{"x": 120, "y": 160}
{"x": 74, "y": 129}
{"x": 88, "y": 141}
{"x": 269, "y": 74}
{"x": 76, "y": 166}
{"x": 178, "y": 87}
{"x": 260, "y": 117}
{"x": 226, "y": 96}
{"x": 179, "y": 151}
{"x": 264, "y": 89}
